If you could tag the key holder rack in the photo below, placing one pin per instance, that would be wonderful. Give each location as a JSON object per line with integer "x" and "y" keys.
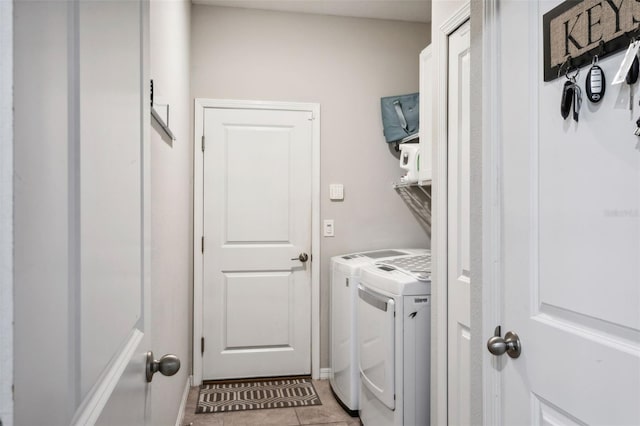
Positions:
{"x": 572, "y": 66}
{"x": 576, "y": 31}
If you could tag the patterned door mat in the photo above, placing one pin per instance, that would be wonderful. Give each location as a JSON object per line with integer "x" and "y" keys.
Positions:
{"x": 256, "y": 394}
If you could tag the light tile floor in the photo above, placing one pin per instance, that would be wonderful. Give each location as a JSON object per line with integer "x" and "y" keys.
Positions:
{"x": 330, "y": 413}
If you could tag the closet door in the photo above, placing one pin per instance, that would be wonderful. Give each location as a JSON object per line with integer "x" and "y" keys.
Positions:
{"x": 81, "y": 241}
{"x": 570, "y": 262}
{"x": 458, "y": 282}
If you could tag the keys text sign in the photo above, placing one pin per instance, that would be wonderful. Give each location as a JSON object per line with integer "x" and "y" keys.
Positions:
{"x": 576, "y": 30}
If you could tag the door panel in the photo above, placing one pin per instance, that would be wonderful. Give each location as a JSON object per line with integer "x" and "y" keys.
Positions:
{"x": 113, "y": 213}
{"x": 458, "y": 196}
{"x": 129, "y": 401}
{"x": 109, "y": 187}
{"x": 257, "y": 212}
{"x": 257, "y": 220}
{"x": 547, "y": 414}
{"x": 258, "y": 295}
{"x": 571, "y": 235}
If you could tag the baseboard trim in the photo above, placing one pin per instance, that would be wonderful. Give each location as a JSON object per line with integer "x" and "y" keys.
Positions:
{"x": 183, "y": 403}
{"x": 325, "y": 373}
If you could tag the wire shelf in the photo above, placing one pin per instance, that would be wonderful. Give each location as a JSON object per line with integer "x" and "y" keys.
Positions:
{"x": 418, "y": 199}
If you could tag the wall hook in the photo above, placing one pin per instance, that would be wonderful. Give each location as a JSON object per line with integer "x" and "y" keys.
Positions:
{"x": 567, "y": 66}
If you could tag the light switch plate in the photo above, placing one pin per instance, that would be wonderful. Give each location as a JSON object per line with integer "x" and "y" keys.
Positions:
{"x": 336, "y": 191}
{"x": 328, "y": 230}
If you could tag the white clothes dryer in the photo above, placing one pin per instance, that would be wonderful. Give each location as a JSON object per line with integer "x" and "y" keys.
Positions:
{"x": 394, "y": 321}
{"x": 345, "y": 271}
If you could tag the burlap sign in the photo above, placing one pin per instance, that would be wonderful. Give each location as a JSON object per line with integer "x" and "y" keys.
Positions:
{"x": 575, "y": 31}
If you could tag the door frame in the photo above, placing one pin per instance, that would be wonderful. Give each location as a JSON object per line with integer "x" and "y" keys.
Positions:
{"x": 486, "y": 247}
{"x": 198, "y": 219}
{"x": 439, "y": 238}
{"x": 487, "y": 295}
{"x": 6, "y": 212}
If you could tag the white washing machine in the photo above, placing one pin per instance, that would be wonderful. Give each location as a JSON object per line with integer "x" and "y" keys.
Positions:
{"x": 394, "y": 321}
{"x": 345, "y": 271}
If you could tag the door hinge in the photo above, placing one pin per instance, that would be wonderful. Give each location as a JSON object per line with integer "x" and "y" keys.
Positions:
{"x": 202, "y": 143}
{"x": 202, "y": 346}
{"x": 202, "y": 244}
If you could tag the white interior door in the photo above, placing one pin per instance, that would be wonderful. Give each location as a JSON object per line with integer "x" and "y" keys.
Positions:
{"x": 459, "y": 336}
{"x": 257, "y": 222}
{"x": 571, "y": 235}
{"x": 82, "y": 238}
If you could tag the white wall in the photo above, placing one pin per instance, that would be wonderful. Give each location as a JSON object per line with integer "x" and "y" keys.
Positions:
{"x": 6, "y": 213}
{"x": 171, "y": 204}
{"x": 346, "y": 65}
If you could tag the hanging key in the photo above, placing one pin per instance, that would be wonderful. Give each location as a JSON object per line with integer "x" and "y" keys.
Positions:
{"x": 632, "y": 77}
{"x": 571, "y": 96}
{"x": 595, "y": 83}
{"x": 567, "y": 99}
{"x": 577, "y": 99}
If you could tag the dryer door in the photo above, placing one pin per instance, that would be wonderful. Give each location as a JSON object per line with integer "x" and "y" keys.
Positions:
{"x": 376, "y": 341}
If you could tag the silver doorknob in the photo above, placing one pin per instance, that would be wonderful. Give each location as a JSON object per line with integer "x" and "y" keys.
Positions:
{"x": 510, "y": 344}
{"x": 302, "y": 257}
{"x": 168, "y": 365}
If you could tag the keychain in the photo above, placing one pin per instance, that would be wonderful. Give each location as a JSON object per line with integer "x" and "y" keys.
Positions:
{"x": 571, "y": 95}
{"x": 637, "y": 131}
{"x": 595, "y": 84}
{"x": 631, "y": 78}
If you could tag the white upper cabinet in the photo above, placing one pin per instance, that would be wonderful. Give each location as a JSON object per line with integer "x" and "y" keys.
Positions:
{"x": 426, "y": 116}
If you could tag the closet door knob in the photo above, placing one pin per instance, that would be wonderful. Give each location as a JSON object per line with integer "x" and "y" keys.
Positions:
{"x": 509, "y": 344}
{"x": 303, "y": 257}
{"x": 168, "y": 365}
